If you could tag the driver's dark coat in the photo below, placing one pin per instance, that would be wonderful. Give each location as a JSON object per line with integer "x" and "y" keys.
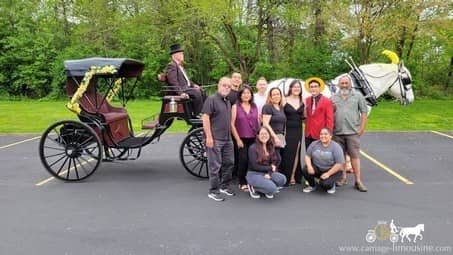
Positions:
{"x": 176, "y": 79}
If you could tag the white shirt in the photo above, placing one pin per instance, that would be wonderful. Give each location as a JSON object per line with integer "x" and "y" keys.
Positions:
{"x": 260, "y": 101}
{"x": 185, "y": 75}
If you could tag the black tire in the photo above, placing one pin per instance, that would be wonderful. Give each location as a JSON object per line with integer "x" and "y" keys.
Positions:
{"x": 70, "y": 150}
{"x": 192, "y": 153}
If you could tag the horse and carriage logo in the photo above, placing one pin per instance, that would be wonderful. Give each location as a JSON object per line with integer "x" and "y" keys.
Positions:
{"x": 383, "y": 231}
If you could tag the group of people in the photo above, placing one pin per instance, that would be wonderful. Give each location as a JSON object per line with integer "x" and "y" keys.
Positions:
{"x": 259, "y": 135}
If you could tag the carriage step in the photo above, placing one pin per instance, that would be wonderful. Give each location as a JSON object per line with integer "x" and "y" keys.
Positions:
{"x": 132, "y": 142}
{"x": 150, "y": 125}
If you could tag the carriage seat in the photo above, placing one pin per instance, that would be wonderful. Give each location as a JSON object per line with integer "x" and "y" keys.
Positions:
{"x": 111, "y": 114}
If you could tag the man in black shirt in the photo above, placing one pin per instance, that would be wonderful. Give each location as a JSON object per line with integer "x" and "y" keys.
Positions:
{"x": 236, "y": 83}
{"x": 219, "y": 145}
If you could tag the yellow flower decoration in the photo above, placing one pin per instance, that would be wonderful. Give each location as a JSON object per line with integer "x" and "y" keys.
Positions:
{"x": 73, "y": 105}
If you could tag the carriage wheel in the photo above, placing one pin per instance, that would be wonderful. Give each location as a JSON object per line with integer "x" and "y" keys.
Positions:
{"x": 370, "y": 237}
{"x": 70, "y": 150}
{"x": 193, "y": 154}
{"x": 394, "y": 237}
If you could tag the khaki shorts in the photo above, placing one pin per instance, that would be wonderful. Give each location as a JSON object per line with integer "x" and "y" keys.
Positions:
{"x": 349, "y": 143}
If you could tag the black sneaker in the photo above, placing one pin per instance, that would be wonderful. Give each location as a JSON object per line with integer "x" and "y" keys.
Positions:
{"x": 252, "y": 192}
{"x": 227, "y": 192}
{"x": 216, "y": 197}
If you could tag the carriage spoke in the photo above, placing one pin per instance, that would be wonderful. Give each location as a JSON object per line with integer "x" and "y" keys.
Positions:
{"x": 87, "y": 161}
{"x": 86, "y": 141}
{"x": 54, "y": 155}
{"x": 69, "y": 169}
{"x": 82, "y": 166}
{"x": 91, "y": 155}
{"x": 75, "y": 168}
{"x": 201, "y": 168}
{"x": 62, "y": 165}
{"x": 57, "y": 160}
{"x": 57, "y": 143}
{"x": 189, "y": 162}
{"x": 198, "y": 163}
{"x": 59, "y": 135}
{"x": 53, "y": 148}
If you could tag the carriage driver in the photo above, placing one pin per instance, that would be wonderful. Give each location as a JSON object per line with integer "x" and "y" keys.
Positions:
{"x": 178, "y": 79}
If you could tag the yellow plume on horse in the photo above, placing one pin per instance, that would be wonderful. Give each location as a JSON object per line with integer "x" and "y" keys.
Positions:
{"x": 392, "y": 56}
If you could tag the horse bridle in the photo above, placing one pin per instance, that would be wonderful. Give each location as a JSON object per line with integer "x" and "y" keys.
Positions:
{"x": 403, "y": 80}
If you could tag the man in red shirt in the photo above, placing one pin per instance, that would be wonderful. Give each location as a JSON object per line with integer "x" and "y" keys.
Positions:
{"x": 319, "y": 110}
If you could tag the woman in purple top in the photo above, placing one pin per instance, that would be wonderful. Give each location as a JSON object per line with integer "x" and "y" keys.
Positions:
{"x": 244, "y": 125}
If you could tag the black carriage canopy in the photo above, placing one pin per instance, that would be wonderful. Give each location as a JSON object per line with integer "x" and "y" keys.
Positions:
{"x": 126, "y": 67}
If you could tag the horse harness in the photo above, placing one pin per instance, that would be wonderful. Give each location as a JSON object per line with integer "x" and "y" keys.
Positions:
{"x": 363, "y": 86}
{"x": 403, "y": 80}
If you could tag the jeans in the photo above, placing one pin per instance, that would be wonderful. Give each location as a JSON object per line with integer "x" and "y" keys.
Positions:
{"x": 220, "y": 164}
{"x": 263, "y": 185}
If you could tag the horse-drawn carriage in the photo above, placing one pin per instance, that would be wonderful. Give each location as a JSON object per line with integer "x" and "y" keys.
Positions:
{"x": 72, "y": 150}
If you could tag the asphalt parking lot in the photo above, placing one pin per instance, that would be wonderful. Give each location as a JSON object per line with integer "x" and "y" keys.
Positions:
{"x": 153, "y": 206}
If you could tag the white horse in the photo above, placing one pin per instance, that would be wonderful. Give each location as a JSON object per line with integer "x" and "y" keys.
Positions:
{"x": 416, "y": 231}
{"x": 394, "y": 78}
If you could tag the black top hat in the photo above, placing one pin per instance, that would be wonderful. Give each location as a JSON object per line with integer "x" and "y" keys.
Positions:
{"x": 175, "y": 48}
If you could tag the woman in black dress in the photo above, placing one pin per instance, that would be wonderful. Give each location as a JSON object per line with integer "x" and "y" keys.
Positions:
{"x": 294, "y": 111}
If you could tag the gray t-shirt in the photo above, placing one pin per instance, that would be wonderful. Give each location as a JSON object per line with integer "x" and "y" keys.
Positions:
{"x": 219, "y": 110}
{"x": 348, "y": 112}
{"x": 325, "y": 157}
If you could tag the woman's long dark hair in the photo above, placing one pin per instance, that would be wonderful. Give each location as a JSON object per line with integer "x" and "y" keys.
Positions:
{"x": 241, "y": 91}
{"x": 270, "y": 147}
{"x": 291, "y": 85}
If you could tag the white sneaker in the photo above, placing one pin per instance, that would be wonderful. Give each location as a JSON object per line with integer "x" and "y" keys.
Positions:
{"x": 270, "y": 196}
{"x": 227, "y": 192}
{"x": 331, "y": 190}
{"x": 216, "y": 197}
{"x": 309, "y": 189}
{"x": 252, "y": 192}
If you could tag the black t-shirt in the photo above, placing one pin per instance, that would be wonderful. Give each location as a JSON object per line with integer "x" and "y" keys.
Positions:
{"x": 219, "y": 110}
{"x": 278, "y": 118}
{"x": 233, "y": 96}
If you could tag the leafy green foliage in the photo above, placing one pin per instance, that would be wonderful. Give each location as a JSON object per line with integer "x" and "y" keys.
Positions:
{"x": 267, "y": 38}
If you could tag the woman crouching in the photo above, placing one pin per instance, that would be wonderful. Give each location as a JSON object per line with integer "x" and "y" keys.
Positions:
{"x": 324, "y": 159}
{"x": 262, "y": 175}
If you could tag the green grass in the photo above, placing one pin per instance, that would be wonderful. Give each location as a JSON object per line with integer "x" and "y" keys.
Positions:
{"x": 32, "y": 116}
{"x": 35, "y": 116}
{"x": 423, "y": 114}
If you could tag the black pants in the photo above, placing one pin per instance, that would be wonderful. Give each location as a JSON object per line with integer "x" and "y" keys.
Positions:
{"x": 325, "y": 184}
{"x": 242, "y": 159}
{"x": 197, "y": 96}
{"x": 308, "y": 141}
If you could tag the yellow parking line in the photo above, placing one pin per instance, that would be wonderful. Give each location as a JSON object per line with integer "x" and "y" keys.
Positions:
{"x": 61, "y": 174}
{"x": 442, "y": 134}
{"x": 64, "y": 172}
{"x": 386, "y": 168}
{"x": 16, "y": 143}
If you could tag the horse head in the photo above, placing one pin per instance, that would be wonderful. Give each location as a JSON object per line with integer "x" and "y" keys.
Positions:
{"x": 394, "y": 78}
